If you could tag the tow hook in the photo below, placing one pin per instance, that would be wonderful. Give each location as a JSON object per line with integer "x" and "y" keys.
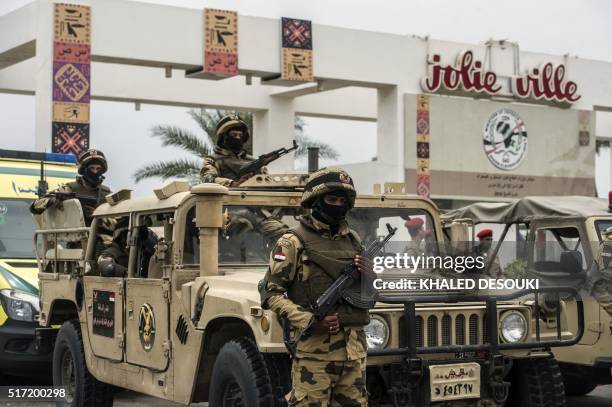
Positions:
{"x": 498, "y": 368}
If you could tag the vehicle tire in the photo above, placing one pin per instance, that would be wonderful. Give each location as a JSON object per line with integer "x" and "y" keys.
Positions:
{"x": 536, "y": 382}
{"x": 578, "y": 388}
{"x": 279, "y": 371}
{"x": 240, "y": 377}
{"x": 70, "y": 371}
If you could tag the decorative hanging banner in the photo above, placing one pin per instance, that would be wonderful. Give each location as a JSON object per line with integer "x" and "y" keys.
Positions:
{"x": 296, "y": 56}
{"x": 423, "y": 186}
{"x": 220, "y": 42}
{"x": 71, "y": 78}
{"x": 584, "y": 131}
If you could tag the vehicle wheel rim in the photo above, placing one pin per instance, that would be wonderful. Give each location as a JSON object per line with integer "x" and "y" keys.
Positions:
{"x": 68, "y": 376}
{"x": 232, "y": 395}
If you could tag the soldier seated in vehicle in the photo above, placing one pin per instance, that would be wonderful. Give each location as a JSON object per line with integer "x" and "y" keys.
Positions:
{"x": 418, "y": 245}
{"x": 87, "y": 187}
{"x": 485, "y": 249}
{"x": 229, "y": 154}
{"x": 113, "y": 261}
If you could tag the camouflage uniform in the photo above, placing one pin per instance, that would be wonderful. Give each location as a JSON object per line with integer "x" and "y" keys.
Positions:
{"x": 329, "y": 368}
{"x": 113, "y": 261}
{"x": 80, "y": 186}
{"x": 223, "y": 165}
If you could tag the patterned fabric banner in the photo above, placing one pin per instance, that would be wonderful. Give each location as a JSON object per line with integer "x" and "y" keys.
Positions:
{"x": 71, "y": 78}
{"x": 296, "y": 57}
{"x": 220, "y": 42}
{"x": 423, "y": 186}
{"x": 584, "y": 132}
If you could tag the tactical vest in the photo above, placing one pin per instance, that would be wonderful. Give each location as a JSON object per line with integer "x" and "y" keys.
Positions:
{"x": 98, "y": 192}
{"x": 229, "y": 165}
{"x": 325, "y": 260}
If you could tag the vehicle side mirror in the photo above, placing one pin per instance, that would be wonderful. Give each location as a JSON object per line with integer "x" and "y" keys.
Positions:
{"x": 571, "y": 261}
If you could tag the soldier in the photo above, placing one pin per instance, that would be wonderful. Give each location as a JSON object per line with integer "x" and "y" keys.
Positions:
{"x": 329, "y": 365}
{"x": 484, "y": 249}
{"x": 229, "y": 155}
{"x": 113, "y": 261}
{"x": 418, "y": 234}
{"x": 88, "y": 186}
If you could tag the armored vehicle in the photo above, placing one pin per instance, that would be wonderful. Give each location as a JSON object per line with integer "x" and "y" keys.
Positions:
{"x": 564, "y": 241}
{"x": 185, "y": 323}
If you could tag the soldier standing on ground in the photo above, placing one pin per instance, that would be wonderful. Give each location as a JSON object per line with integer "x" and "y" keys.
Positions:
{"x": 88, "y": 186}
{"x": 329, "y": 365}
{"x": 229, "y": 155}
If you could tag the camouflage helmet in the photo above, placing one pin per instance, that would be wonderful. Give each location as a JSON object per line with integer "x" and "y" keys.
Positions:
{"x": 325, "y": 181}
{"x": 92, "y": 156}
{"x": 229, "y": 122}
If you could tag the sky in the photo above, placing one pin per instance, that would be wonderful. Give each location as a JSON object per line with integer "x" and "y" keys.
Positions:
{"x": 576, "y": 27}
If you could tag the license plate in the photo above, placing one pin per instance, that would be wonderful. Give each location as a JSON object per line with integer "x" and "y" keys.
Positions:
{"x": 453, "y": 382}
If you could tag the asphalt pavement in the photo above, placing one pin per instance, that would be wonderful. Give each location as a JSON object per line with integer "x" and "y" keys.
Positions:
{"x": 600, "y": 397}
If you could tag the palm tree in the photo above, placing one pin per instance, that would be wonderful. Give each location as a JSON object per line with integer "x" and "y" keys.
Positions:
{"x": 202, "y": 145}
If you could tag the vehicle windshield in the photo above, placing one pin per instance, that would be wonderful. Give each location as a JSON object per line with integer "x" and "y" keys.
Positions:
{"x": 250, "y": 233}
{"x": 16, "y": 229}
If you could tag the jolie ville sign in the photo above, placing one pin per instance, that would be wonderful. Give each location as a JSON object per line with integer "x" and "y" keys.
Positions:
{"x": 546, "y": 82}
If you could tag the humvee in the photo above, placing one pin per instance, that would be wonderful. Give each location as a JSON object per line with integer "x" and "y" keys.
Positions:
{"x": 564, "y": 242}
{"x": 185, "y": 323}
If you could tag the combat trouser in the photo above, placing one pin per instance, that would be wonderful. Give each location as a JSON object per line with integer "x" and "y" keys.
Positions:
{"x": 328, "y": 383}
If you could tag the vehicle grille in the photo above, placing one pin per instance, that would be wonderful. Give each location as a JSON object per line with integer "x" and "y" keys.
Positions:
{"x": 446, "y": 328}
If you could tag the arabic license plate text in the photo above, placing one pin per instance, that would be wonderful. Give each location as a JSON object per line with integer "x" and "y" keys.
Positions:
{"x": 453, "y": 382}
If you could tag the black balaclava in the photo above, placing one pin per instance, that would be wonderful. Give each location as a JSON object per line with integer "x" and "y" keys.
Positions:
{"x": 330, "y": 214}
{"x": 233, "y": 143}
{"x": 93, "y": 178}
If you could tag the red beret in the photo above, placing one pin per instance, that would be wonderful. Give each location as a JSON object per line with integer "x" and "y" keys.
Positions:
{"x": 414, "y": 223}
{"x": 484, "y": 233}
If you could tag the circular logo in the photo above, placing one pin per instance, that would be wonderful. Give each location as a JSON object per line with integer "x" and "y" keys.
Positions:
{"x": 505, "y": 139}
{"x": 146, "y": 327}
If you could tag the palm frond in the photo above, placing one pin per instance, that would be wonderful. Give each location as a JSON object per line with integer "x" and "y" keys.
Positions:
{"x": 177, "y": 137}
{"x": 182, "y": 168}
{"x": 325, "y": 150}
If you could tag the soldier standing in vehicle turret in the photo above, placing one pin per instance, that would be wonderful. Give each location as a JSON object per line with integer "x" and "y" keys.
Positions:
{"x": 88, "y": 186}
{"x": 229, "y": 155}
{"x": 329, "y": 365}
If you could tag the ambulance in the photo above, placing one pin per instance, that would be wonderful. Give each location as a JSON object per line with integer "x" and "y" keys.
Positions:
{"x": 22, "y": 175}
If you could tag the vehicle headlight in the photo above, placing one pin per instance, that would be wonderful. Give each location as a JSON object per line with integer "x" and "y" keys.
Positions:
{"x": 19, "y": 306}
{"x": 513, "y": 326}
{"x": 377, "y": 332}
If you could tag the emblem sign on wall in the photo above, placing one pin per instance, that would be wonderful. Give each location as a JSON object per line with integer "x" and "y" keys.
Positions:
{"x": 220, "y": 42}
{"x": 296, "y": 56}
{"x": 423, "y": 173}
{"x": 505, "y": 139}
{"x": 71, "y": 78}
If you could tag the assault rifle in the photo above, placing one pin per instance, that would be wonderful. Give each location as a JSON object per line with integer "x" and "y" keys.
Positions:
{"x": 62, "y": 196}
{"x": 264, "y": 159}
{"x": 330, "y": 298}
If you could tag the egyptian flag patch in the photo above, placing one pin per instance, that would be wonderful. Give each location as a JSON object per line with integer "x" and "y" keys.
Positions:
{"x": 279, "y": 256}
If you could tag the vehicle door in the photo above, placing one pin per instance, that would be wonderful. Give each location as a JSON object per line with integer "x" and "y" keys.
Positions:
{"x": 554, "y": 244}
{"x": 147, "y": 288}
{"x": 104, "y": 297}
